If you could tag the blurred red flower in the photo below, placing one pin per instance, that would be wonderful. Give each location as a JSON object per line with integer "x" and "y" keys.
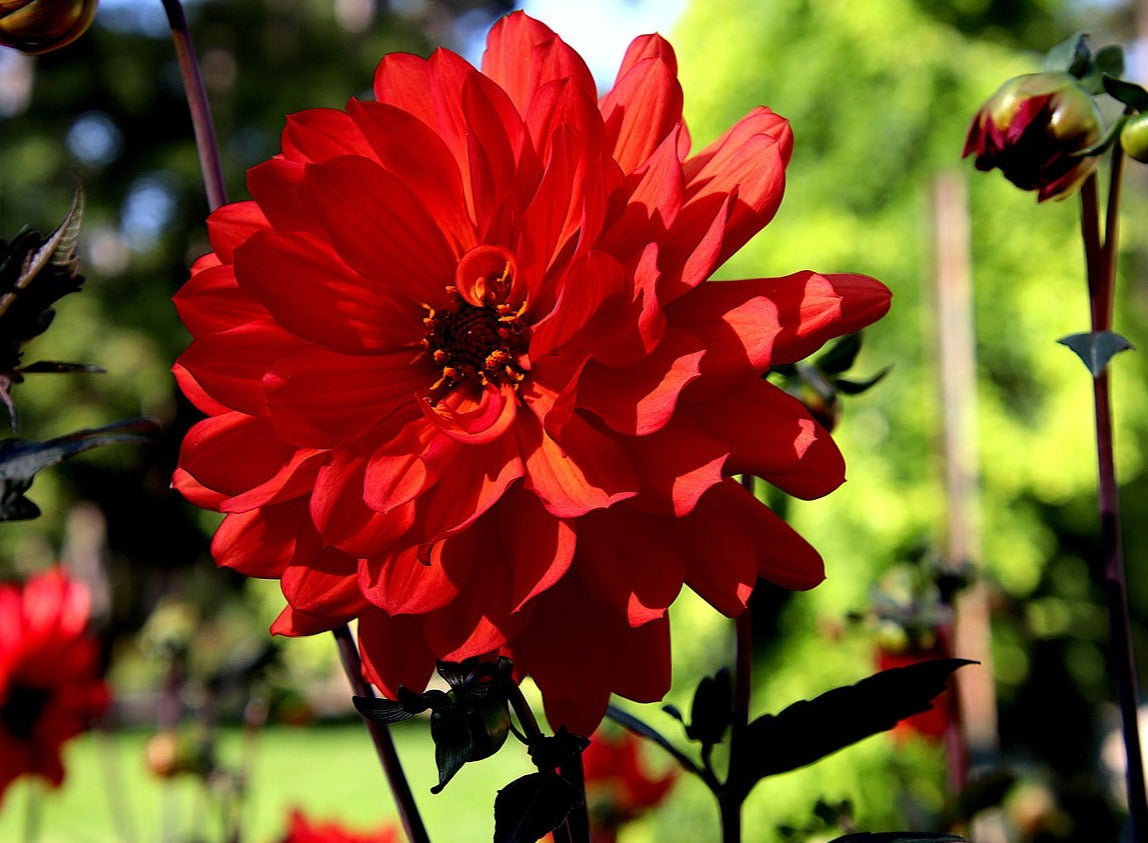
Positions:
{"x": 300, "y": 830}
{"x": 619, "y": 787}
{"x": 49, "y": 691}
{"x": 467, "y": 383}
{"x": 930, "y": 724}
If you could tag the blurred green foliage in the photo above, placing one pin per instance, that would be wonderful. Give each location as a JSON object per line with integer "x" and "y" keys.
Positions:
{"x": 879, "y": 95}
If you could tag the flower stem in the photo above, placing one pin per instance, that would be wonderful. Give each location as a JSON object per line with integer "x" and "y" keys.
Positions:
{"x": 578, "y": 820}
{"x": 197, "y": 101}
{"x": 381, "y": 735}
{"x": 730, "y": 799}
{"x": 1101, "y": 264}
{"x": 576, "y": 827}
{"x": 32, "y": 812}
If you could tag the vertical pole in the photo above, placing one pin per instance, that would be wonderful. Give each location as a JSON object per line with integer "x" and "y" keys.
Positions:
{"x": 975, "y": 732}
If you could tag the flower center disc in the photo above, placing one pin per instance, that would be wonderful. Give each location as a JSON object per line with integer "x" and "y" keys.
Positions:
{"x": 478, "y": 337}
{"x": 22, "y": 709}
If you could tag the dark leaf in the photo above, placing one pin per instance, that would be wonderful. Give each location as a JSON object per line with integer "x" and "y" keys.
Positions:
{"x": 22, "y": 459}
{"x": 1096, "y": 348}
{"x": 674, "y": 712}
{"x": 1128, "y": 93}
{"x": 56, "y": 367}
{"x": 453, "y": 744}
{"x": 839, "y": 357}
{"x": 531, "y": 807}
{"x": 457, "y": 674}
{"x": 383, "y": 711}
{"x": 899, "y": 837}
{"x": 712, "y": 708}
{"x": 811, "y": 729}
{"x": 1070, "y": 56}
{"x": 557, "y": 750}
{"x": 851, "y": 387}
{"x": 34, "y": 273}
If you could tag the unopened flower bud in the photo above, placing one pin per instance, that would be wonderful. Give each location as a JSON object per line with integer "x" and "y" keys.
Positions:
{"x": 1033, "y": 128}
{"x": 1134, "y": 137}
{"x": 40, "y": 26}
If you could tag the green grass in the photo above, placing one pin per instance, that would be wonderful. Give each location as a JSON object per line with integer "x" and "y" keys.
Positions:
{"x": 331, "y": 771}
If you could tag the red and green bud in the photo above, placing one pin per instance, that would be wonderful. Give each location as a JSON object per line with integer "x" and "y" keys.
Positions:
{"x": 1034, "y": 128}
{"x": 40, "y": 26}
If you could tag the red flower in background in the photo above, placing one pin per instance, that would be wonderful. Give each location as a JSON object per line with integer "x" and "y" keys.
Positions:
{"x": 49, "y": 691}
{"x": 619, "y": 788}
{"x": 930, "y": 724}
{"x": 467, "y": 382}
{"x": 300, "y": 830}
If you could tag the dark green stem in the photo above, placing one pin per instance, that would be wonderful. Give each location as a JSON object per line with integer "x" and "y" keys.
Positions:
{"x": 1101, "y": 263}
{"x": 32, "y": 811}
{"x": 578, "y": 820}
{"x": 381, "y": 735}
{"x": 732, "y": 795}
{"x": 197, "y": 101}
{"x": 644, "y": 730}
{"x": 576, "y": 827}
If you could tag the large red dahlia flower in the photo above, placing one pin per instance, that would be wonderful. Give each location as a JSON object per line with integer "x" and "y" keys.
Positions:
{"x": 466, "y": 380}
{"x": 49, "y": 691}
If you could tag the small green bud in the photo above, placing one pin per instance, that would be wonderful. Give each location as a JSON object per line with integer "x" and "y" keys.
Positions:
{"x": 1134, "y": 137}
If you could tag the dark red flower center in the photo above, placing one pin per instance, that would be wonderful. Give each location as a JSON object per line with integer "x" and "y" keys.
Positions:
{"x": 478, "y": 337}
{"x": 21, "y": 709}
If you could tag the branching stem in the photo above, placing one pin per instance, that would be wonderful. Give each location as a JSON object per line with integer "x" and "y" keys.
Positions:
{"x": 1100, "y": 259}
{"x": 381, "y": 735}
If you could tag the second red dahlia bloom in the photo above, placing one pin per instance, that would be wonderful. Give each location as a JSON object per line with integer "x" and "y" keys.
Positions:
{"x": 466, "y": 379}
{"x": 49, "y": 690}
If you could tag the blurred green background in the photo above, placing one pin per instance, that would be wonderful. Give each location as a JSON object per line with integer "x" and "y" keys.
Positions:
{"x": 879, "y": 95}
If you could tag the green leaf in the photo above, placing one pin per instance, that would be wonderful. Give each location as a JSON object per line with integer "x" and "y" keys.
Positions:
{"x": 1109, "y": 60}
{"x": 811, "y": 729}
{"x": 531, "y": 807}
{"x": 1129, "y": 93}
{"x": 1069, "y": 56}
{"x": 1096, "y": 348}
{"x": 899, "y": 837}
{"x": 22, "y": 459}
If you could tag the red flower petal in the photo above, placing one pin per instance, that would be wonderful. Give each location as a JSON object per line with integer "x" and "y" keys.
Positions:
{"x": 288, "y": 273}
{"x": 587, "y": 471}
{"x": 326, "y": 585}
{"x": 231, "y": 225}
{"x": 394, "y": 651}
{"x": 405, "y": 584}
{"x": 260, "y": 542}
{"x": 321, "y": 134}
{"x": 383, "y": 204}
{"x": 814, "y": 308}
{"x": 639, "y": 400}
{"x": 747, "y": 161}
{"x": 645, "y": 105}
{"x": 359, "y": 392}
{"x": 523, "y": 55}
